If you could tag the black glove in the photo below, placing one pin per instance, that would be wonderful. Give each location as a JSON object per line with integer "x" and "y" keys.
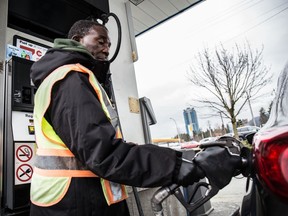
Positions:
{"x": 218, "y": 165}
{"x": 189, "y": 173}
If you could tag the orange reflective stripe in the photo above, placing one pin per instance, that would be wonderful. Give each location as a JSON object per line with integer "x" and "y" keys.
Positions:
{"x": 64, "y": 173}
{"x": 55, "y": 152}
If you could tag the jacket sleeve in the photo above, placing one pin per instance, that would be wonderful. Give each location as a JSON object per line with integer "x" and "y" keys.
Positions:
{"x": 77, "y": 117}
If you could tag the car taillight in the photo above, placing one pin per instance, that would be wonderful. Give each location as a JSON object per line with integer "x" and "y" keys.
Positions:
{"x": 271, "y": 160}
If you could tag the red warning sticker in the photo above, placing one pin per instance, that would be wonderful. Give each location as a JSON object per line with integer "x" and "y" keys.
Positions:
{"x": 24, "y": 153}
{"x": 24, "y": 172}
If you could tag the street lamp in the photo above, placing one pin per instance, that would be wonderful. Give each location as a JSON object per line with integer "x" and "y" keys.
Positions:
{"x": 179, "y": 140}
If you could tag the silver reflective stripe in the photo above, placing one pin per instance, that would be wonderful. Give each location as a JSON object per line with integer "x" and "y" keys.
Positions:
{"x": 58, "y": 163}
{"x": 111, "y": 110}
{"x": 116, "y": 190}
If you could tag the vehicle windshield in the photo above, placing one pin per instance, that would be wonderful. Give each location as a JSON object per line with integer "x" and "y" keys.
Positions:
{"x": 279, "y": 111}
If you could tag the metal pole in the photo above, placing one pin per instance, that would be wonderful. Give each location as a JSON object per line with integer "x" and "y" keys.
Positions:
{"x": 3, "y": 27}
{"x": 179, "y": 139}
{"x": 210, "y": 132}
{"x": 223, "y": 128}
{"x": 248, "y": 97}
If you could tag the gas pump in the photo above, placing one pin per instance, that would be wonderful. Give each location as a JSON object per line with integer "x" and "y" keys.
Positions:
{"x": 19, "y": 142}
{"x": 18, "y": 131}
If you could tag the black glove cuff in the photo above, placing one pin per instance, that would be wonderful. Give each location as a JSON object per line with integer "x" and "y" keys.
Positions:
{"x": 189, "y": 173}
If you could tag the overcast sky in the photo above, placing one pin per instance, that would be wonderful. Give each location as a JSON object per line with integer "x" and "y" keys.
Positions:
{"x": 166, "y": 51}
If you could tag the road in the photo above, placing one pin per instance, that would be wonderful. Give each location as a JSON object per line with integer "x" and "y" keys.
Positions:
{"x": 229, "y": 199}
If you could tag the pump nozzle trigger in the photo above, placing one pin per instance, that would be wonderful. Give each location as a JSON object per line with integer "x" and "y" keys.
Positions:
{"x": 211, "y": 191}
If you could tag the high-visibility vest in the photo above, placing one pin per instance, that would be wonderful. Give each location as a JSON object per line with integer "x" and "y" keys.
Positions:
{"x": 55, "y": 164}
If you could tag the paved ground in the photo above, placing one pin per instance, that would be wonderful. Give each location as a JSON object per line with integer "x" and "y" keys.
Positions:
{"x": 229, "y": 199}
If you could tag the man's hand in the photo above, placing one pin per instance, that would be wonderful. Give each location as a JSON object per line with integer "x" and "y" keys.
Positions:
{"x": 189, "y": 173}
{"x": 218, "y": 164}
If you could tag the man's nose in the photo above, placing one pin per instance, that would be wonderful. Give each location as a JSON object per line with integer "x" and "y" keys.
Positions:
{"x": 106, "y": 50}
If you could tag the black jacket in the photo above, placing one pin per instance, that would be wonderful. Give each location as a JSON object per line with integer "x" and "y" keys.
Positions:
{"x": 77, "y": 117}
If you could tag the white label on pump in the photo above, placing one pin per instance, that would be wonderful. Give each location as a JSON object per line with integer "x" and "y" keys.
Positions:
{"x": 23, "y": 126}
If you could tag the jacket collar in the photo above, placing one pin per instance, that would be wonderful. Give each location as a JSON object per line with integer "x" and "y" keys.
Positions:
{"x": 72, "y": 45}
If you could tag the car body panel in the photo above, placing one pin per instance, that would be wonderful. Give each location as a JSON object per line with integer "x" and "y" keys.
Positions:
{"x": 268, "y": 195}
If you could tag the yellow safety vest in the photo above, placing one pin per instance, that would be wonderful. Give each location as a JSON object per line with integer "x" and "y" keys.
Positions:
{"x": 55, "y": 164}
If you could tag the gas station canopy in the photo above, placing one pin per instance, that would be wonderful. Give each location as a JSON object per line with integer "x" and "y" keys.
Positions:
{"x": 31, "y": 16}
{"x": 149, "y": 13}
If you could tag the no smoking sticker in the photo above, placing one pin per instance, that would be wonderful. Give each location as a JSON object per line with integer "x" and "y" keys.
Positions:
{"x": 24, "y": 162}
{"x": 24, "y": 153}
{"x": 24, "y": 172}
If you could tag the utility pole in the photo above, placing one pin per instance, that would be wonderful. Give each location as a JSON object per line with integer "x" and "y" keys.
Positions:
{"x": 178, "y": 134}
{"x": 223, "y": 128}
{"x": 210, "y": 132}
{"x": 248, "y": 98}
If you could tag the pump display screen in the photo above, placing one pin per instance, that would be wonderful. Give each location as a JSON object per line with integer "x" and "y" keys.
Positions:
{"x": 22, "y": 89}
{"x": 36, "y": 49}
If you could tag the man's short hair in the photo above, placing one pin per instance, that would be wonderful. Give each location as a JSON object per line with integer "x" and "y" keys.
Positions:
{"x": 82, "y": 28}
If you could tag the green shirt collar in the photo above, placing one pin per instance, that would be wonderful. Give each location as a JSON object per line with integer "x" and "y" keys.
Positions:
{"x": 68, "y": 44}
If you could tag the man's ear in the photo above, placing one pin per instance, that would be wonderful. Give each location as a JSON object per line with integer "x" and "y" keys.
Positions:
{"x": 76, "y": 38}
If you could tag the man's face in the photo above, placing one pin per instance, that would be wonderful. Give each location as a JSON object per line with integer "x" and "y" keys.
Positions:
{"x": 97, "y": 43}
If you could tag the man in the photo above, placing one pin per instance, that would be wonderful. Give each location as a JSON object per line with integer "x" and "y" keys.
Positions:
{"x": 81, "y": 157}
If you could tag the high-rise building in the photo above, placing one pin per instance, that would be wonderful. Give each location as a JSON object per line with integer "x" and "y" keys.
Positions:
{"x": 191, "y": 121}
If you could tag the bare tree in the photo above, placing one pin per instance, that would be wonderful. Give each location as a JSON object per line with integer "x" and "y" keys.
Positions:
{"x": 229, "y": 75}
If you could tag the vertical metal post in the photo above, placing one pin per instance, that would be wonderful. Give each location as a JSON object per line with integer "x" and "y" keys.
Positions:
{"x": 3, "y": 30}
{"x": 131, "y": 31}
{"x": 145, "y": 122}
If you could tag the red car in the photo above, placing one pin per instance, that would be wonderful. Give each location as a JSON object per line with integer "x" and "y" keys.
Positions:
{"x": 189, "y": 145}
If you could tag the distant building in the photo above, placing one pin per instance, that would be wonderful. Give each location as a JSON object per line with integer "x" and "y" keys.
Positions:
{"x": 191, "y": 121}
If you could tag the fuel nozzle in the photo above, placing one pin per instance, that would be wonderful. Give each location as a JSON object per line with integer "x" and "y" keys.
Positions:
{"x": 246, "y": 155}
{"x": 233, "y": 147}
{"x": 159, "y": 196}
